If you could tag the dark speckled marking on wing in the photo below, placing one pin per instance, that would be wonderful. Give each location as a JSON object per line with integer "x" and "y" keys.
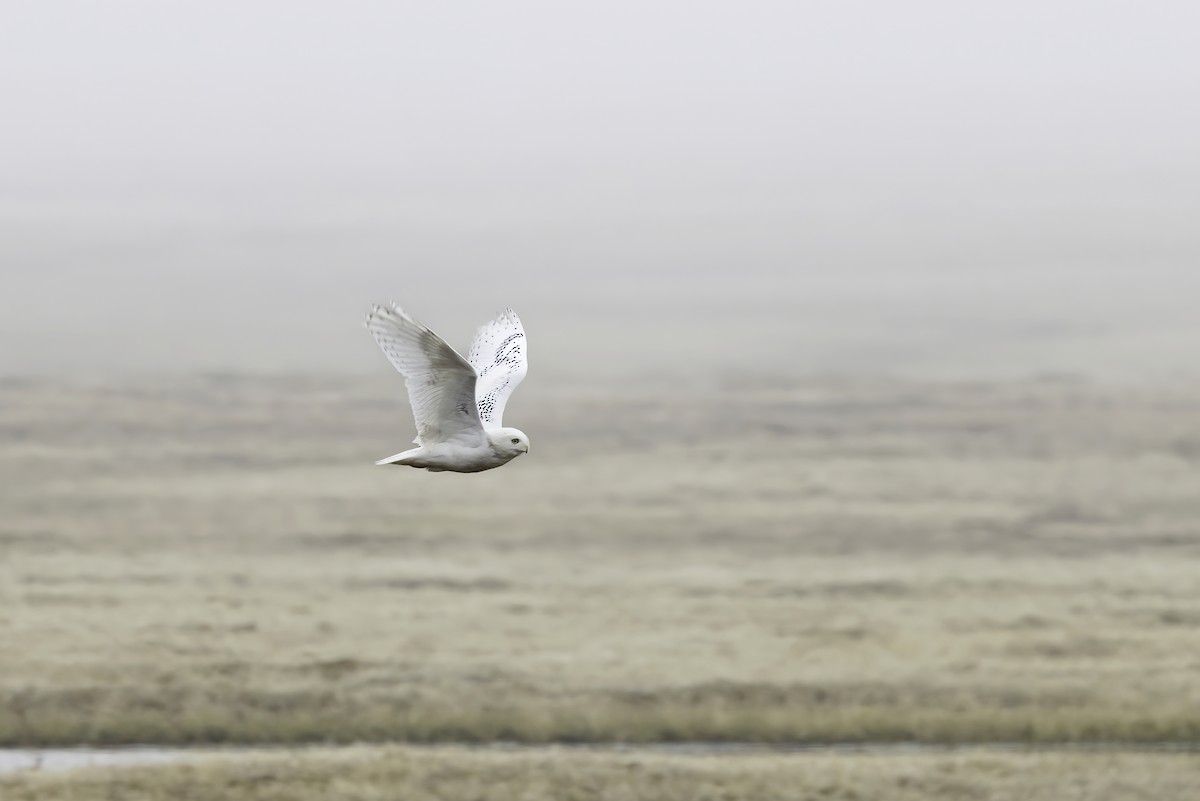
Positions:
{"x": 498, "y": 354}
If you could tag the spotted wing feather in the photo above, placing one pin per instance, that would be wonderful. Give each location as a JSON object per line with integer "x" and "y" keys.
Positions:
{"x": 498, "y": 354}
{"x": 440, "y": 382}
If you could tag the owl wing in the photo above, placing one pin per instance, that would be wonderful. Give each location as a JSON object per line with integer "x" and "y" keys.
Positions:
{"x": 498, "y": 355}
{"x": 440, "y": 382}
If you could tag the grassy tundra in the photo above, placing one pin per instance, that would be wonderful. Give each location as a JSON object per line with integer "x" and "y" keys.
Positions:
{"x": 549, "y": 774}
{"x": 218, "y": 561}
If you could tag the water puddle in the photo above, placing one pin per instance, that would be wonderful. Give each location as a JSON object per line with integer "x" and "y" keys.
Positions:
{"x": 60, "y": 759}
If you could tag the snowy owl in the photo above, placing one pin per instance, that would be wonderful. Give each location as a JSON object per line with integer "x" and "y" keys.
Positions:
{"x": 456, "y": 402}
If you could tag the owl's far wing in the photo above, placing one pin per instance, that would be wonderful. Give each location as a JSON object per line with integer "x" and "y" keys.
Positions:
{"x": 440, "y": 382}
{"x": 498, "y": 355}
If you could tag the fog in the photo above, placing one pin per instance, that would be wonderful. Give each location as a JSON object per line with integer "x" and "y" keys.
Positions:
{"x": 923, "y": 188}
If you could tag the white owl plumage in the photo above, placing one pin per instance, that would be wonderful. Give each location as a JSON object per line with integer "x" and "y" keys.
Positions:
{"x": 457, "y": 403}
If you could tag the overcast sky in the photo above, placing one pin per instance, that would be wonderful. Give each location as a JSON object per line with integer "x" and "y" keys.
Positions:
{"x": 810, "y": 185}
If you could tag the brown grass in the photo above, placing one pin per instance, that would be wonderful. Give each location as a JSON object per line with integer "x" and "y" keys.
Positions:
{"x": 453, "y": 773}
{"x": 218, "y": 561}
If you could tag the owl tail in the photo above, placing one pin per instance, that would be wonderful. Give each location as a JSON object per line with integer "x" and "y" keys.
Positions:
{"x": 405, "y": 458}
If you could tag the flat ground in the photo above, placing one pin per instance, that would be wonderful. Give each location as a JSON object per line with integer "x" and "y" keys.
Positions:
{"x": 217, "y": 561}
{"x": 362, "y": 774}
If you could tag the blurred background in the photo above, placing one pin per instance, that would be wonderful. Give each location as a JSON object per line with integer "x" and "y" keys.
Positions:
{"x": 918, "y": 188}
{"x": 862, "y": 394}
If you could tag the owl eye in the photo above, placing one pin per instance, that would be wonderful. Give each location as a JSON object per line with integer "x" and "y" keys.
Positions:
{"x": 516, "y": 441}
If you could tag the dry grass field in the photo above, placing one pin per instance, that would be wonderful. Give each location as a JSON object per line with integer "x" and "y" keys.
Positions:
{"x": 217, "y": 560}
{"x": 550, "y": 774}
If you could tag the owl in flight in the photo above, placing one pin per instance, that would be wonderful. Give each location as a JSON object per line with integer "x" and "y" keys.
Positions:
{"x": 456, "y": 402}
